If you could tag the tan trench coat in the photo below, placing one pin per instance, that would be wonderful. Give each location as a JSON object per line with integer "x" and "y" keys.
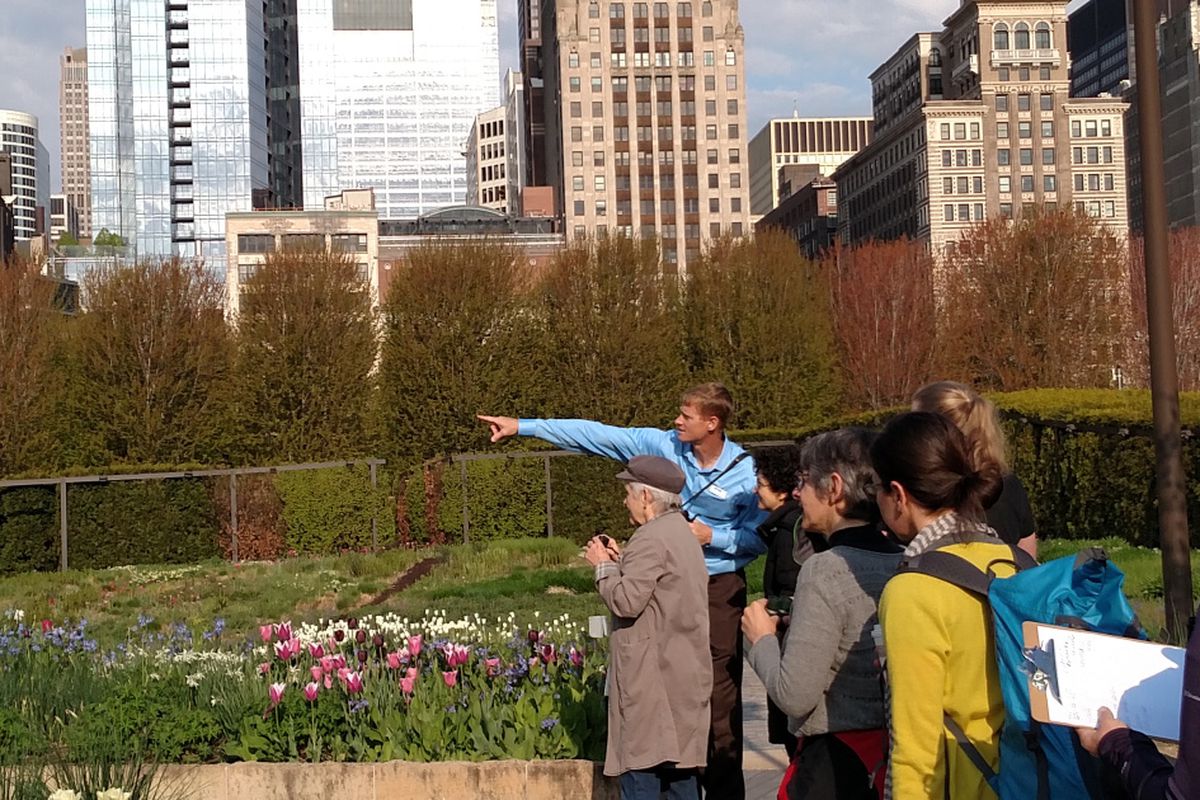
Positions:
{"x": 660, "y": 668}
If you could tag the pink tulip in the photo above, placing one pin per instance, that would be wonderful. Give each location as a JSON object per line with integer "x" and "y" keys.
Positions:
{"x": 328, "y": 680}
{"x": 287, "y": 649}
{"x": 284, "y": 631}
{"x": 275, "y": 692}
{"x": 266, "y": 631}
{"x": 409, "y": 682}
{"x": 264, "y": 668}
{"x": 311, "y": 690}
{"x": 576, "y": 657}
{"x": 354, "y": 683}
{"x": 451, "y": 678}
{"x": 414, "y": 646}
{"x": 460, "y": 655}
{"x": 393, "y": 660}
{"x": 493, "y": 666}
{"x": 316, "y": 672}
{"x": 548, "y": 654}
{"x": 316, "y": 650}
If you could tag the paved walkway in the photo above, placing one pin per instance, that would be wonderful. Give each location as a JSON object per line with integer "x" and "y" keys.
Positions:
{"x": 763, "y": 762}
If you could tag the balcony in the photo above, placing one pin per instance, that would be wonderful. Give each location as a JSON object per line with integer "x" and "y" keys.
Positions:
{"x": 1006, "y": 58}
{"x": 971, "y": 65}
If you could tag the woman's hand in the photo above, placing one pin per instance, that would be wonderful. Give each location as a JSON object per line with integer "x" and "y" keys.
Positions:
{"x": 1090, "y": 738}
{"x": 757, "y": 623}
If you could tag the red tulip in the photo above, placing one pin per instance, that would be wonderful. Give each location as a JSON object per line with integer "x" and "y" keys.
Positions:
{"x": 47, "y": 626}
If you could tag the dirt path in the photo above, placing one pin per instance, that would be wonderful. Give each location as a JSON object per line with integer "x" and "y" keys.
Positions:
{"x": 406, "y": 579}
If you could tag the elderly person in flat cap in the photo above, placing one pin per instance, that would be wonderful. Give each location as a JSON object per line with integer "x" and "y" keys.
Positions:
{"x": 660, "y": 669}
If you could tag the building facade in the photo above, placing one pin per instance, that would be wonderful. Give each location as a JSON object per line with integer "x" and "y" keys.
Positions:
{"x": 1179, "y": 76}
{"x": 529, "y": 23}
{"x": 495, "y": 153}
{"x": 646, "y": 120}
{"x": 178, "y": 117}
{"x": 75, "y": 162}
{"x": 1100, "y": 40}
{"x": 29, "y": 170}
{"x": 808, "y": 215}
{"x": 820, "y": 143}
{"x": 388, "y": 94}
{"x": 348, "y": 223}
{"x": 976, "y": 121}
{"x": 64, "y": 217}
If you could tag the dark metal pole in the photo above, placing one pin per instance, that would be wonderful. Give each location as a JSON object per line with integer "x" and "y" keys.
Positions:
{"x": 1164, "y": 378}
{"x": 233, "y": 521}
{"x": 62, "y": 525}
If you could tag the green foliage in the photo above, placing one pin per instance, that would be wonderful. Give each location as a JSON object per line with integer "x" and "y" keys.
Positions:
{"x": 171, "y": 522}
{"x": 28, "y": 530}
{"x": 68, "y": 239}
{"x": 329, "y": 510}
{"x": 758, "y": 319}
{"x": 306, "y": 345}
{"x": 106, "y": 238}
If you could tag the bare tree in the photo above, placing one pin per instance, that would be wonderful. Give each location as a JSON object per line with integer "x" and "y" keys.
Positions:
{"x": 1037, "y": 301}
{"x": 884, "y": 320}
{"x": 1184, "y": 263}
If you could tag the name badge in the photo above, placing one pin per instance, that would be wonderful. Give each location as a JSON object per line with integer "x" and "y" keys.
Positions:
{"x": 717, "y": 492}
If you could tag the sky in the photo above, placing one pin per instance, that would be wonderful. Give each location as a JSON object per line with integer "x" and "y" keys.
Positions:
{"x": 811, "y": 57}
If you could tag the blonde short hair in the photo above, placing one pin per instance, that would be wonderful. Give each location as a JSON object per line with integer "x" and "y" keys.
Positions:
{"x": 973, "y": 414}
{"x": 713, "y": 400}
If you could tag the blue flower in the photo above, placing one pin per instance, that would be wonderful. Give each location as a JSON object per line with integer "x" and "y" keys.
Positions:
{"x": 549, "y": 723}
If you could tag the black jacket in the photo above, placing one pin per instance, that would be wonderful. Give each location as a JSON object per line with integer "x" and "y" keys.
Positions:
{"x": 781, "y": 531}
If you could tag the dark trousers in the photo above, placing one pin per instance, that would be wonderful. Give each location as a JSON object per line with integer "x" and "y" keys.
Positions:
{"x": 650, "y": 784}
{"x": 722, "y": 778}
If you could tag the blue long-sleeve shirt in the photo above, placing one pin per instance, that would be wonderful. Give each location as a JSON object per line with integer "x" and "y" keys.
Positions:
{"x": 729, "y": 506}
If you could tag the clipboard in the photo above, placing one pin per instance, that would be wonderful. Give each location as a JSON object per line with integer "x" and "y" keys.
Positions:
{"x": 1072, "y": 673}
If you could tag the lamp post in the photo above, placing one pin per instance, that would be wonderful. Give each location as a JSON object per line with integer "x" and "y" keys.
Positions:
{"x": 1164, "y": 377}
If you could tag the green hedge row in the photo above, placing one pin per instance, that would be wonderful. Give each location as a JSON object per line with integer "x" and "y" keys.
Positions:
{"x": 177, "y": 521}
{"x": 1086, "y": 457}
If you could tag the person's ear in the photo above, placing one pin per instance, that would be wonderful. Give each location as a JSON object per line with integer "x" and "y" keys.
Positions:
{"x": 837, "y": 489}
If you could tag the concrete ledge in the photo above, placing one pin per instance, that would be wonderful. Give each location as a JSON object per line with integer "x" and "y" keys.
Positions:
{"x": 449, "y": 780}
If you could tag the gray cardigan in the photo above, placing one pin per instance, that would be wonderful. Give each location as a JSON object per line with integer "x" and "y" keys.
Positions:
{"x": 826, "y": 679}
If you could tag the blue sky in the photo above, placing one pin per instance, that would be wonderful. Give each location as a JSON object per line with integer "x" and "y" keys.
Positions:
{"x": 809, "y": 55}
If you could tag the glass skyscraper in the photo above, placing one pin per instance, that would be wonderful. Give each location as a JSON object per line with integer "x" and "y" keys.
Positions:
{"x": 178, "y": 108}
{"x": 389, "y": 90}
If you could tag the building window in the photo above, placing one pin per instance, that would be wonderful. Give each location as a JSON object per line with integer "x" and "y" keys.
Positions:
{"x": 1023, "y": 74}
{"x": 1047, "y": 130}
{"x": 1076, "y": 128}
{"x": 1005, "y": 184}
{"x": 731, "y": 107}
{"x": 707, "y": 33}
{"x": 1022, "y": 102}
{"x": 712, "y": 156}
{"x": 577, "y": 183}
{"x": 733, "y": 130}
{"x": 730, "y": 59}
{"x": 1021, "y": 36}
{"x": 350, "y": 242}
{"x": 710, "y": 58}
{"x": 1000, "y": 37}
{"x": 1001, "y": 130}
{"x": 616, "y": 11}
{"x": 948, "y": 212}
{"x": 947, "y": 158}
{"x": 710, "y": 132}
{"x": 304, "y": 241}
{"x": 1003, "y": 156}
{"x": 1026, "y": 183}
{"x": 576, "y": 109}
{"x": 714, "y": 180}
{"x": 1105, "y": 127}
{"x": 1041, "y": 36}
{"x": 573, "y": 60}
{"x": 594, "y": 35}
{"x": 1047, "y": 155}
{"x": 1044, "y": 73}
{"x": 710, "y": 83}
{"x": 734, "y": 155}
{"x": 1025, "y": 130}
{"x": 1049, "y": 183}
{"x": 1006, "y": 211}
{"x": 576, "y": 133}
{"x": 1002, "y": 102}
{"x": 731, "y": 82}
{"x": 945, "y": 131}
{"x": 1108, "y": 182}
{"x": 256, "y": 243}
{"x": 618, "y": 59}
{"x": 714, "y": 205}
{"x": 947, "y": 185}
{"x": 577, "y": 158}
{"x": 1026, "y": 156}
{"x": 1046, "y": 101}
{"x": 598, "y": 158}
{"x": 573, "y": 82}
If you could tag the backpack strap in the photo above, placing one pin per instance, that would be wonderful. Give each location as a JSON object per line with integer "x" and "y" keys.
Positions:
{"x": 972, "y": 753}
{"x": 950, "y": 568}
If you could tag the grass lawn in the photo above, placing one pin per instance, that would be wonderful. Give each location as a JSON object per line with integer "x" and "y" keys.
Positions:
{"x": 526, "y": 576}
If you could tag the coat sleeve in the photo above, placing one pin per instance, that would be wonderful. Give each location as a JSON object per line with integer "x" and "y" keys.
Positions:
{"x": 918, "y": 651}
{"x": 798, "y": 679}
{"x": 598, "y": 439}
{"x": 739, "y": 536}
{"x": 627, "y": 590}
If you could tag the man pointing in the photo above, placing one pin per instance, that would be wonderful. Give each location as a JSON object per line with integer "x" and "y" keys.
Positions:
{"x": 719, "y": 497}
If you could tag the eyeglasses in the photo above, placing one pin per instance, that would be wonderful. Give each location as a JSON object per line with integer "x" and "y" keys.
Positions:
{"x": 801, "y": 479}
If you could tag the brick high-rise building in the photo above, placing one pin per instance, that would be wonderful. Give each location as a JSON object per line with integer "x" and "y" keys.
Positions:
{"x": 646, "y": 120}
{"x": 75, "y": 156}
{"x": 975, "y": 122}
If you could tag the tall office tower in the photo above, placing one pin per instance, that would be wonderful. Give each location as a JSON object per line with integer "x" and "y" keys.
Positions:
{"x": 645, "y": 120}
{"x": 975, "y": 122}
{"x": 180, "y": 117}
{"x": 388, "y": 93}
{"x": 30, "y": 172}
{"x": 1100, "y": 40}
{"x": 796, "y": 147}
{"x": 1179, "y": 78}
{"x": 530, "y": 33}
{"x": 495, "y": 152}
{"x": 75, "y": 162}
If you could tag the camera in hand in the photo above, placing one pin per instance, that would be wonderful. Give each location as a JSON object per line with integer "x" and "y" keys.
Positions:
{"x": 604, "y": 540}
{"x": 779, "y": 606}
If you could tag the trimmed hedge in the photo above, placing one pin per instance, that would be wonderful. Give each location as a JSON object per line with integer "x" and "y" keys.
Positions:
{"x": 329, "y": 510}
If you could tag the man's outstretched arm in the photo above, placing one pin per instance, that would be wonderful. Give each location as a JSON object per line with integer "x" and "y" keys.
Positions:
{"x": 585, "y": 436}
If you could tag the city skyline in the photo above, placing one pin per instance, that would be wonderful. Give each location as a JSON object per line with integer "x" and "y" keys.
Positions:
{"x": 813, "y": 57}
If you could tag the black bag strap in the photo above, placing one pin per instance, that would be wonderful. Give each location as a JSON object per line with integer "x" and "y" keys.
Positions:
{"x": 972, "y": 752}
{"x": 950, "y": 568}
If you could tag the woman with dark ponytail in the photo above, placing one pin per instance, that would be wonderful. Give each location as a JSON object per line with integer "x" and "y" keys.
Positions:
{"x": 939, "y": 657}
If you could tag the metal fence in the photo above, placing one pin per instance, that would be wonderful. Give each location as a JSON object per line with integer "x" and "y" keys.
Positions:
{"x": 63, "y": 482}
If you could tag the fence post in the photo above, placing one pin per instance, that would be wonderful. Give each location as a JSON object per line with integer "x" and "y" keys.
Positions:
{"x": 375, "y": 512}
{"x": 466, "y": 509}
{"x": 549, "y": 500}
{"x": 233, "y": 519}
{"x": 62, "y": 525}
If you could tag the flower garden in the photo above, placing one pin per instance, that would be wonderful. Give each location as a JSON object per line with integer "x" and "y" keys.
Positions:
{"x": 87, "y": 720}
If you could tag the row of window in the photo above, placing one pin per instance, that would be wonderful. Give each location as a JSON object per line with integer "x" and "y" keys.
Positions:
{"x": 1020, "y": 38}
{"x": 649, "y": 232}
{"x": 664, "y": 208}
{"x": 251, "y": 243}
{"x": 1024, "y": 102}
{"x": 1091, "y": 128}
{"x": 492, "y": 172}
{"x": 642, "y": 10}
{"x": 648, "y": 181}
{"x": 1004, "y": 74}
{"x": 643, "y": 83}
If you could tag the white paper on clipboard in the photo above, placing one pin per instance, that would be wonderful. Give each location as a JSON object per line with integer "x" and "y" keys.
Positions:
{"x": 1141, "y": 682}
